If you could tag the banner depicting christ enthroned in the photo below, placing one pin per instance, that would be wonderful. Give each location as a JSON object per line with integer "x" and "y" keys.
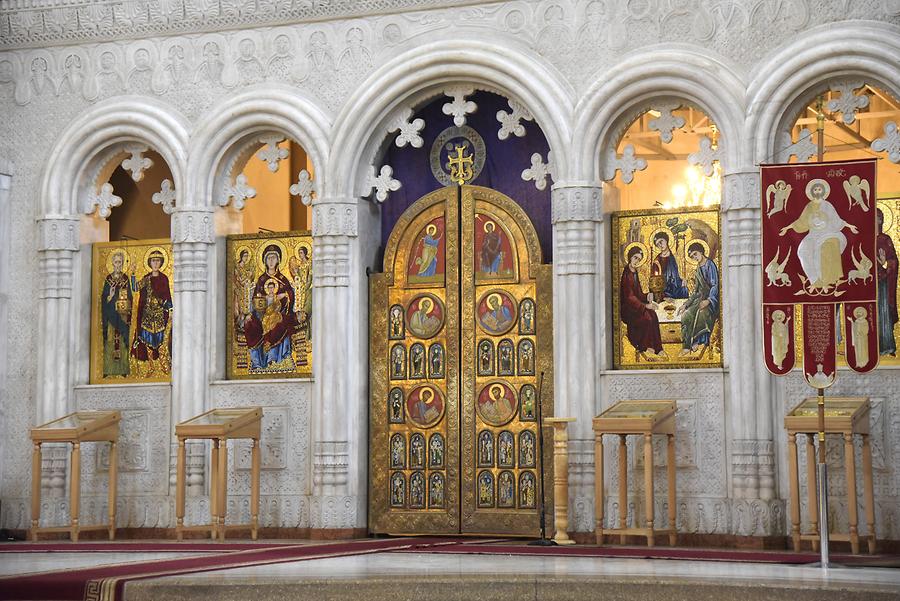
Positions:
{"x": 818, "y": 250}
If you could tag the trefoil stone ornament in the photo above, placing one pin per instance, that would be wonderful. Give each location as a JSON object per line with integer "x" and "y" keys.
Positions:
{"x": 511, "y": 123}
{"x": 383, "y": 183}
{"x": 165, "y": 197}
{"x": 105, "y": 200}
{"x": 626, "y": 164}
{"x": 304, "y": 188}
{"x": 459, "y": 107}
{"x": 889, "y": 143}
{"x": 409, "y": 130}
{"x": 238, "y": 192}
{"x": 136, "y": 162}
{"x": 271, "y": 153}
{"x": 539, "y": 170}
{"x": 667, "y": 122}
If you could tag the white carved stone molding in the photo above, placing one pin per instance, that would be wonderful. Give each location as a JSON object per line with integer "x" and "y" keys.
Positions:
{"x": 626, "y": 164}
{"x": 238, "y": 192}
{"x": 104, "y": 200}
{"x": 848, "y": 103}
{"x": 889, "y": 142}
{"x": 334, "y": 218}
{"x": 667, "y": 122}
{"x": 331, "y": 462}
{"x": 165, "y": 197}
{"x": 706, "y": 157}
{"x": 408, "y": 130}
{"x": 576, "y": 203}
{"x": 193, "y": 225}
{"x": 58, "y": 233}
{"x": 511, "y": 123}
{"x": 136, "y": 163}
{"x": 805, "y": 148}
{"x": 459, "y": 107}
{"x": 741, "y": 207}
{"x": 382, "y": 184}
{"x": 331, "y": 269}
{"x": 271, "y": 154}
{"x": 753, "y": 469}
{"x": 305, "y": 188}
{"x": 539, "y": 171}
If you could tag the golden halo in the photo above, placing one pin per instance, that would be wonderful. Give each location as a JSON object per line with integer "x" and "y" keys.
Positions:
{"x": 503, "y": 387}
{"x": 492, "y": 296}
{"x": 663, "y": 230}
{"x": 434, "y": 398}
{"x": 125, "y": 262}
{"x": 431, "y": 229}
{"x": 489, "y": 222}
{"x": 260, "y": 256}
{"x": 272, "y": 281}
{"x": 422, "y": 302}
{"x": 240, "y": 249}
{"x": 430, "y": 399}
{"x": 154, "y": 249}
{"x": 306, "y": 246}
{"x": 496, "y": 387}
{"x": 701, "y": 243}
{"x": 644, "y": 252}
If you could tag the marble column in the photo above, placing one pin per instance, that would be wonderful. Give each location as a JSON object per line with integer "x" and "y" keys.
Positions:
{"x": 579, "y": 310}
{"x": 193, "y": 236}
{"x": 339, "y": 398}
{"x": 750, "y": 429}
{"x": 5, "y": 249}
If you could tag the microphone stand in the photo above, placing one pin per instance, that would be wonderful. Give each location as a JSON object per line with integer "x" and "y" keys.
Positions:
{"x": 543, "y": 541}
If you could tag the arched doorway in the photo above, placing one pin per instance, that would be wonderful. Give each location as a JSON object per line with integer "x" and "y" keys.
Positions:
{"x": 461, "y": 356}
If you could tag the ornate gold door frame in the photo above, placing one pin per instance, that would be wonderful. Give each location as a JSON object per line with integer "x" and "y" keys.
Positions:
{"x": 460, "y": 336}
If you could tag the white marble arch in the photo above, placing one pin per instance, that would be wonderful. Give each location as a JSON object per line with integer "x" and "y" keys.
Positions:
{"x": 348, "y": 229}
{"x": 82, "y": 153}
{"x": 781, "y": 83}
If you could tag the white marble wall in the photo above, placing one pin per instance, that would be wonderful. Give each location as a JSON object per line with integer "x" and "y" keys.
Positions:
{"x": 202, "y": 87}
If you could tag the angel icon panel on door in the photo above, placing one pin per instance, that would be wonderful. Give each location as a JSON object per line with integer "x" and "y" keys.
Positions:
{"x": 426, "y": 259}
{"x": 505, "y": 360}
{"x": 417, "y": 361}
{"x": 395, "y": 406}
{"x": 485, "y": 358}
{"x": 494, "y": 256}
{"x": 396, "y": 324}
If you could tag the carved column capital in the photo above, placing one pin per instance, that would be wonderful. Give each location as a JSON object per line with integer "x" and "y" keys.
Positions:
{"x": 335, "y": 217}
{"x": 741, "y": 210}
{"x": 576, "y": 202}
{"x": 193, "y": 225}
{"x": 58, "y": 233}
{"x": 331, "y": 267}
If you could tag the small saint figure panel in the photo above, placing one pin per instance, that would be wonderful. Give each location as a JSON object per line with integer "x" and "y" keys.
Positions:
{"x": 131, "y": 312}
{"x": 269, "y": 305}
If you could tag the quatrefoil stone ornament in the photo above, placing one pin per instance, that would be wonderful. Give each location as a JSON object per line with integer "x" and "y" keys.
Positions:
{"x": 705, "y": 157}
{"x": 889, "y": 143}
{"x": 409, "y": 130}
{"x": 511, "y": 123}
{"x": 667, "y": 122}
{"x": 239, "y": 192}
{"x": 105, "y": 200}
{"x": 539, "y": 170}
{"x": 804, "y": 148}
{"x": 848, "y": 103}
{"x": 304, "y": 188}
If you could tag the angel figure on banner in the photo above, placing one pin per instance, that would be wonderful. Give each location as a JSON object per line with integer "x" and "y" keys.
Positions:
{"x": 777, "y": 195}
{"x": 821, "y": 249}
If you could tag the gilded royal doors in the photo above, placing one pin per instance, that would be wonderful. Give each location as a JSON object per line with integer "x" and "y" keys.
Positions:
{"x": 461, "y": 332}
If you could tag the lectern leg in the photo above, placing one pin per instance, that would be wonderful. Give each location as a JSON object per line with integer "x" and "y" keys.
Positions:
{"x": 648, "y": 485}
{"x": 850, "y": 469}
{"x": 254, "y": 490}
{"x": 214, "y": 489}
{"x": 811, "y": 488}
{"x": 598, "y": 488}
{"x": 35, "y": 490}
{"x": 869, "y": 491}
{"x": 75, "y": 490}
{"x": 623, "y": 486}
{"x": 673, "y": 507}
{"x": 795, "y": 490}
{"x": 223, "y": 485}
{"x": 113, "y": 484}
{"x": 179, "y": 491}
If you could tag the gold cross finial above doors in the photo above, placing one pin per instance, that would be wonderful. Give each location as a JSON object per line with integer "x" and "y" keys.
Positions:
{"x": 461, "y": 166}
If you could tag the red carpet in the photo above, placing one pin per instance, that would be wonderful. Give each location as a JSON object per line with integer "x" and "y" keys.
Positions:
{"x": 106, "y": 583}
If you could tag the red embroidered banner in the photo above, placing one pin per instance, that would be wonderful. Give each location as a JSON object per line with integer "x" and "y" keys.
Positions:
{"x": 818, "y": 250}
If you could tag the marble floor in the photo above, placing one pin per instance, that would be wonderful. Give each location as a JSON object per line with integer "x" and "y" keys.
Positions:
{"x": 18, "y": 564}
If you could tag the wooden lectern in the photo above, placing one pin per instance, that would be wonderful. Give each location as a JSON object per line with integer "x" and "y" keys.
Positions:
{"x": 75, "y": 428}
{"x": 220, "y": 426}
{"x": 845, "y": 416}
{"x": 643, "y": 418}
